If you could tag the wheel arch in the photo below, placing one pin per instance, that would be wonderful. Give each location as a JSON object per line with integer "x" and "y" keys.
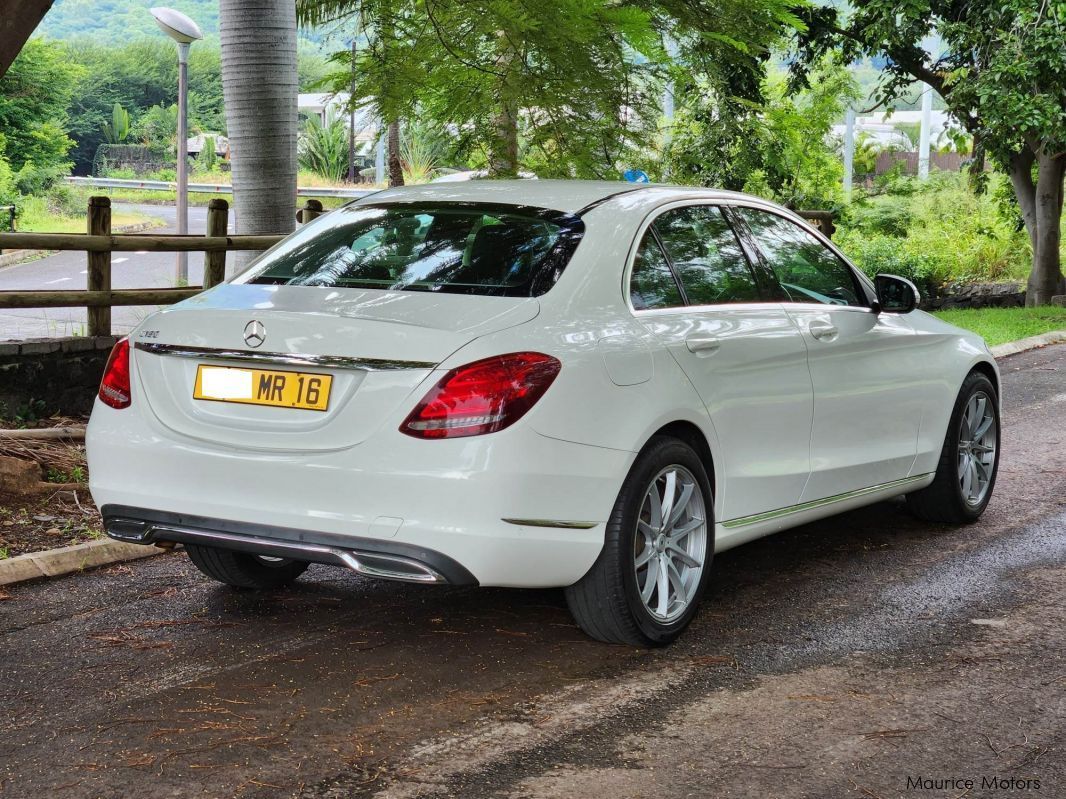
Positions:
{"x": 691, "y": 434}
{"x": 988, "y": 370}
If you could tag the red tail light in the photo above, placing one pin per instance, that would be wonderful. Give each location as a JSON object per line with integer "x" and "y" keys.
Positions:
{"x": 115, "y": 386}
{"x": 482, "y": 397}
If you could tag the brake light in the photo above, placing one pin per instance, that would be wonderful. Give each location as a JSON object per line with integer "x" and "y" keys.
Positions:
{"x": 115, "y": 385}
{"x": 482, "y": 397}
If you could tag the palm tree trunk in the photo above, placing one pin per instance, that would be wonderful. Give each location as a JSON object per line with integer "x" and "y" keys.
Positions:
{"x": 395, "y": 165}
{"x": 259, "y": 85}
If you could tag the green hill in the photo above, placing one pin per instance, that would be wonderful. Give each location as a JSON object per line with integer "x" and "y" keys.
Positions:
{"x": 117, "y": 21}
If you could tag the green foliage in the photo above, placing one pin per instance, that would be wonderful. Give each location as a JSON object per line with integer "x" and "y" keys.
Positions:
{"x": 1001, "y": 70}
{"x": 116, "y": 21}
{"x": 76, "y": 474}
{"x": 157, "y": 126}
{"x": 578, "y": 81}
{"x": 140, "y": 75}
{"x": 8, "y": 193}
{"x": 323, "y": 149}
{"x": 208, "y": 159}
{"x": 933, "y": 233}
{"x": 889, "y": 218}
{"x": 780, "y": 149}
{"x": 910, "y": 134}
{"x": 116, "y": 131}
{"x": 34, "y": 97}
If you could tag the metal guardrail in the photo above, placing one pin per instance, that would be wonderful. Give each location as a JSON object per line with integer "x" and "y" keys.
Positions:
{"x": 208, "y": 188}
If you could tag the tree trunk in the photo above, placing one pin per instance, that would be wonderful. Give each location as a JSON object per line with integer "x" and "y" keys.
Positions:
{"x": 395, "y": 164}
{"x": 503, "y": 157}
{"x": 1041, "y": 206}
{"x": 503, "y": 145}
{"x": 259, "y": 84}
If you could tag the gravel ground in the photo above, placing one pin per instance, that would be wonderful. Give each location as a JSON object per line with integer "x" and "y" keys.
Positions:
{"x": 839, "y": 659}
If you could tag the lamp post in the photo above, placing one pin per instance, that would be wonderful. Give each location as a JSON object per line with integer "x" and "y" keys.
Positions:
{"x": 183, "y": 31}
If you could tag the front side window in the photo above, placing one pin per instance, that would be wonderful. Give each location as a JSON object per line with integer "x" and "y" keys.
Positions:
{"x": 447, "y": 248}
{"x": 706, "y": 256}
{"x": 807, "y": 270}
{"x": 653, "y": 284}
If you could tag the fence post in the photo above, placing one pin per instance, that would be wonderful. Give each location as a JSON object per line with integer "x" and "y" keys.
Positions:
{"x": 312, "y": 208}
{"x": 217, "y": 225}
{"x": 99, "y": 270}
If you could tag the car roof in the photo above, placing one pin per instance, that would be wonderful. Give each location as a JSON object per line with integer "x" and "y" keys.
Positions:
{"x": 570, "y": 196}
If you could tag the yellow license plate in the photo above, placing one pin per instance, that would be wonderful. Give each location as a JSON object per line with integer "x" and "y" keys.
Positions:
{"x": 263, "y": 387}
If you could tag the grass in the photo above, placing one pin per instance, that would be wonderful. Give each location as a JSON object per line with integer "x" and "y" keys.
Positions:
{"x": 37, "y": 216}
{"x": 1000, "y": 325}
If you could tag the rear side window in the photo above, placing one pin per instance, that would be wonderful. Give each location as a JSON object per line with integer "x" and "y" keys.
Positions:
{"x": 504, "y": 251}
{"x": 807, "y": 270}
{"x": 653, "y": 284}
{"x": 706, "y": 256}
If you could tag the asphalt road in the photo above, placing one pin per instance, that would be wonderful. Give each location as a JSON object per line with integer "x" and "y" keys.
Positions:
{"x": 839, "y": 659}
{"x": 67, "y": 271}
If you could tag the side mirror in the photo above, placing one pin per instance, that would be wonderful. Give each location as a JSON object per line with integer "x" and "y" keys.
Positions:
{"x": 896, "y": 294}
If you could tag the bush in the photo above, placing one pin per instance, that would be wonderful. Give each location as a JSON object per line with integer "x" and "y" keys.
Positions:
{"x": 934, "y": 233}
{"x": 889, "y": 218}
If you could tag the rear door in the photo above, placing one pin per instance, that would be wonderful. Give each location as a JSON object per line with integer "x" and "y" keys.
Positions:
{"x": 863, "y": 365}
{"x": 693, "y": 287}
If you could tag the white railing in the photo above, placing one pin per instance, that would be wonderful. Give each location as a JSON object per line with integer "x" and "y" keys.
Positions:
{"x": 209, "y": 188}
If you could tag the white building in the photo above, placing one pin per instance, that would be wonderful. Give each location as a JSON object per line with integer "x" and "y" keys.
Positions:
{"x": 881, "y": 127}
{"x": 327, "y": 105}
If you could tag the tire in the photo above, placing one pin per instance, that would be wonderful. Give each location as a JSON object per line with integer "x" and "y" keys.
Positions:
{"x": 242, "y": 570}
{"x": 946, "y": 499}
{"x": 607, "y": 602}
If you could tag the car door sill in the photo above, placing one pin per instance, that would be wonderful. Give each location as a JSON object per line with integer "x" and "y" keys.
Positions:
{"x": 766, "y": 516}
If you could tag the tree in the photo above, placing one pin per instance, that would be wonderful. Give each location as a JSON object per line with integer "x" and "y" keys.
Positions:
{"x": 1002, "y": 75}
{"x": 259, "y": 82}
{"x": 570, "y": 85}
{"x": 34, "y": 97}
{"x": 138, "y": 75}
{"x": 773, "y": 141}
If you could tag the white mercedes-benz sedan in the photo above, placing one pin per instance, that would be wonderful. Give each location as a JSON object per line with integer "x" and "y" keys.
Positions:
{"x": 587, "y": 385}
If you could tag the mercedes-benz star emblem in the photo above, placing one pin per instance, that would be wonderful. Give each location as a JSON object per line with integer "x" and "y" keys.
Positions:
{"x": 255, "y": 333}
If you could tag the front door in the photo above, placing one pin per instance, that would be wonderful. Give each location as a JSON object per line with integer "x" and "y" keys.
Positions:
{"x": 867, "y": 402}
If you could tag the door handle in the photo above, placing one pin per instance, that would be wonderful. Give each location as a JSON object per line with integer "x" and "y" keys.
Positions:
{"x": 823, "y": 331}
{"x": 704, "y": 344}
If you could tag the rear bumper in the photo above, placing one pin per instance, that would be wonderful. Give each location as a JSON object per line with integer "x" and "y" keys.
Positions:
{"x": 389, "y": 561}
{"x": 514, "y": 508}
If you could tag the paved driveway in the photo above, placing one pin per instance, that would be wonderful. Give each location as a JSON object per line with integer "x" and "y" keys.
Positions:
{"x": 835, "y": 660}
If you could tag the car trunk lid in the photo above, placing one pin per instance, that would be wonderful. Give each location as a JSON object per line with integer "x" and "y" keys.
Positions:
{"x": 376, "y": 346}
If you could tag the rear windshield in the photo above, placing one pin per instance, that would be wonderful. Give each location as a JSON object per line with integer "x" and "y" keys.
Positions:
{"x": 470, "y": 249}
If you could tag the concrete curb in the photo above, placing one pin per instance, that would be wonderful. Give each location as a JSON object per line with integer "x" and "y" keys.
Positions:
{"x": 1031, "y": 343}
{"x": 57, "y": 562}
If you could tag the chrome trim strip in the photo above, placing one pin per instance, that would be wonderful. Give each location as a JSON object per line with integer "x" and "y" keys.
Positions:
{"x": 552, "y": 523}
{"x": 283, "y": 358}
{"x": 817, "y": 503}
{"x": 369, "y": 564}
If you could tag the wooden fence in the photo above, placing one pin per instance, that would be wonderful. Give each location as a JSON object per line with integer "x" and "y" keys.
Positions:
{"x": 98, "y": 244}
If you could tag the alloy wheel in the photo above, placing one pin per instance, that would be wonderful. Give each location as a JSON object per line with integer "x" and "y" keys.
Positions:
{"x": 977, "y": 448}
{"x": 671, "y": 543}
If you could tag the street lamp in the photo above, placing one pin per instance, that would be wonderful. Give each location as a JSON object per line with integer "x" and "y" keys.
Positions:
{"x": 183, "y": 31}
